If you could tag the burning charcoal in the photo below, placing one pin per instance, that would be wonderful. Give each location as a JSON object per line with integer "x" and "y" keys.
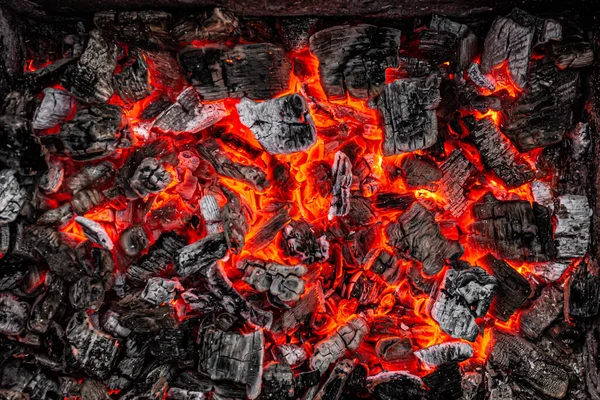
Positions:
{"x": 233, "y": 357}
{"x": 24, "y": 382}
{"x": 94, "y": 390}
{"x": 95, "y": 232}
{"x": 19, "y": 149}
{"x": 94, "y": 351}
{"x": 278, "y": 382}
{"x": 202, "y": 302}
{"x": 475, "y": 286}
{"x": 437, "y": 46}
{"x": 386, "y": 265}
{"x": 572, "y": 231}
{"x": 56, "y": 106}
{"x": 95, "y": 132}
{"x": 52, "y": 179}
{"x": 549, "y": 30}
{"x": 291, "y": 354}
{"x": 417, "y": 235}
{"x": 457, "y": 171}
{"x": 268, "y": 229}
{"x": 85, "y": 200}
{"x": 91, "y": 78}
{"x": 235, "y": 224}
{"x": 160, "y": 290}
{"x": 295, "y": 32}
{"x": 394, "y": 349}
{"x": 582, "y": 292}
{"x": 134, "y": 240}
{"x": 445, "y": 382}
{"x": 112, "y": 325}
{"x": 13, "y": 314}
{"x": 543, "y": 193}
{"x": 212, "y": 152}
{"x": 408, "y": 110}
{"x": 158, "y": 259}
{"x": 509, "y": 38}
{"x": 454, "y": 317}
{"x": 150, "y": 177}
{"x": 484, "y": 81}
{"x": 12, "y": 196}
{"x": 282, "y": 125}
{"x": 355, "y": 58}
{"x": 304, "y": 307}
{"x": 497, "y": 154}
{"x": 396, "y": 385}
{"x": 544, "y": 310}
{"x": 348, "y": 336}
{"x": 140, "y": 317}
{"x": 87, "y": 293}
{"x": 336, "y": 382}
{"x": 211, "y": 212}
{"x": 542, "y": 114}
{"x": 282, "y": 281}
{"x": 302, "y": 242}
{"x": 571, "y": 55}
{"x": 420, "y": 172}
{"x": 258, "y": 71}
{"x": 448, "y": 352}
{"x": 340, "y": 198}
{"x": 132, "y": 84}
{"x": 188, "y": 114}
{"x": 551, "y": 271}
{"x": 393, "y": 201}
{"x": 519, "y": 357}
{"x": 512, "y": 289}
{"x": 214, "y": 25}
{"x": 200, "y": 255}
{"x": 91, "y": 176}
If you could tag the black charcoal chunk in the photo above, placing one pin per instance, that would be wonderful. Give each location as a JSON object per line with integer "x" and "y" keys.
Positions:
{"x": 94, "y": 350}
{"x": 457, "y": 172}
{"x": 212, "y": 25}
{"x": 282, "y": 281}
{"x": 474, "y": 286}
{"x": 95, "y": 132}
{"x": 278, "y": 382}
{"x": 417, "y": 235}
{"x": 281, "y": 125}
{"x": 211, "y": 213}
{"x": 455, "y": 317}
{"x": 19, "y": 149}
{"x": 387, "y": 266}
{"x": 302, "y": 309}
{"x": 12, "y": 196}
{"x": 355, "y": 58}
{"x": 442, "y": 353}
{"x": 52, "y": 179}
{"x": 84, "y": 201}
{"x": 394, "y": 348}
{"x": 140, "y": 28}
{"x": 150, "y": 176}
{"x": 188, "y": 114}
{"x": 445, "y": 382}
{"x": 268, "y": 229}
{"x": 396, "y": 385}
{"x": 54, "y": 109}
{"x": 13, "y": 314}
{"x": 134, "y": 240}
{"x": 158, "y": 259}
{"x": 133, "y": 84}
{"x": 482, "y": 80}
{"x": 87, "y": 293}
{"x": 301, "y": 241}
{"x": 542, "y": 312}
{"x": 95, "y": 232}
{"x": 420, "y": 172}
{"x": 233, "y": 357}
{"x": 572, "y": 229}
{"x": 582, "y": 292}
{"x": 91, "y": 176}
{"x": 408, "y": 108}
{"x": 160, "y": 290}
{"x": 291, "y": 354}
{"x": 342, "y": 180}
{"x": 21, "y": 381}
{"x": 235, "y": 223}
{"x": 514, "y": 229}
{"x": 336, "y": 382}
{"x": 201, "y": 255}
{"x": 258, "y": 71}
{"x": 91, "y": 78}
{"x": 571, "y": 54}
{"x": 512, "y": 288}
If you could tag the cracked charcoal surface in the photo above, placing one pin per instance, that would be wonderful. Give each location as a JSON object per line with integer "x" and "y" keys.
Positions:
{"x": 91, "y": 176}
{"x": 291, "y": 354}
{"x": 454, "y": 317}
{"x": 542, "y": 312}
{"x": 199, "y": 256}
{"x": 302, "y": 242}
{"x": 56, "y": 106}
{"x": 282, "y": 125}
{"x": 12, "y": 196}
{"x": 150, "y": 177}
{"x": 396, "y": 385}
{"x": 444, "y": 353}
{"x": 285, "y": 282}
{"x": 354, "y": 58}
{"x": 342, "y": 179}
{"x": 394, "y": 349}
{"x": 457, "y": 171}
{"x": 420, "y": 172}
{"x": 13, "y": 314}
{"x": 95, "y": 232}
{"x": 474, "y": 285}
{"x": 132, "y": 84}
{"x": 159, "y": 290}
{"x": 159, "y": 257}
{"x": 408, "y": 108}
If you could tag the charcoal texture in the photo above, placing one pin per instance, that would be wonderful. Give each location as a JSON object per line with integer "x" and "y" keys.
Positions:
{"x": 133, "y": 84}
{"x": 12, "y": 196}
{"x": 54, "y": 109}
{"x": 199, "y": 256}
{"x": 445, "y": 353}
{"x": 457, "y": 172}
{"x": 284, "y": 282}
{"x": 542, "y": 312}
{"x": 342, "y": 179}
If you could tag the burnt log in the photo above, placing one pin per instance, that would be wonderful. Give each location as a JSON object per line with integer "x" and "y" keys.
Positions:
{"x": 542, "y": 312}
{"x": 258, "y": 71}
{"x": 54, "y": 109}
{"x": 442, "y": 353}
{"x": 457, "y": 173}
{"x": 282, "y": 281}
{"x": 515, "y": 229}
{"x": 282, "y": 125}
{"x": 159, "y": 257}
{"x": 342, "y": 180}
{"x": 418, "y": 236}
{"x": 408, "y": 108}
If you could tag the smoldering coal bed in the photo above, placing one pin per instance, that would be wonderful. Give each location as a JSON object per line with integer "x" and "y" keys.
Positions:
{"x": 216, "y": 206}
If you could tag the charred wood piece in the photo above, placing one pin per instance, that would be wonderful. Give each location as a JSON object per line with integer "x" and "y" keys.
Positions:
{"x": 542, "y": 312}
{"x": 278, "y": 382}
{"x": 54, "y": 109}
{"x": 12, "y": 196}
{"x": 302, "y": 309}
{"x": 268, "y": 229}
{"x": 281, "y": 125}
{"x": 336, "y": 382}
{"x": 134, "y": 240}
{"x": 484, "y": 81}
{"x": 302, "y": 242}
{"x": 91, "y": 176}
{"x": 95, "y": 232}
{"x": 355, "y": 58}
{"x": 95, "y": 351}
{"x": 347, "y": 337}
{"x": 572, "y": 54}
{"x": 519, "y": 357}
{"x": 342, "y": 180}
{"x": 91, "y": 78}
{"x": 445, "y": 382}
{"x": 572, "y": 231}
{"x": 282, "y": 281}
{"x": 52, "y": 179}
{"x": 87, "y": 293}
{"x": 454, "y": 317}
{"x": 393, "y": 201}
{"x": 497, "y": 154}
{"x": 512, "y": 288}
{"x": 387, "y": 266}
{"x": 214, "y": 25}
{"x": 291, "y": 354}
{"x": 457, "y": 172}
{"x": 396, "y": 385}
{"x": 188, "y": 114}
{"x": 13, "y": 314}
{"x": 211, "y": 212}
{"x": 259, "y": 71}
{"x": 201, "y": 255}
{"x": 418, "y": 236}
{"x": 140, "y": 28}
{"x": 448, "y": 352}
{"x": 551, "y": 271}
{"x": 408, "y": 108}
{"x": 160, "y": 290}
{"x": 159, "y": 257}
{"x": 233, "y": 357}
{"x": 474, "y": 286}
{"x": 150, "y": 177}
{"x": 420, "y": 172}
{"x": 84, "y": 201}
{"x": 212, "y": 152}
{"x": 394, "y": 348}
{"x": 235, "y": 224}
{"x": 515, "y": 229}
{"x": 133, "y": 84}
{"x": 581, "y": 293}
{"x": 95, "y": 132}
